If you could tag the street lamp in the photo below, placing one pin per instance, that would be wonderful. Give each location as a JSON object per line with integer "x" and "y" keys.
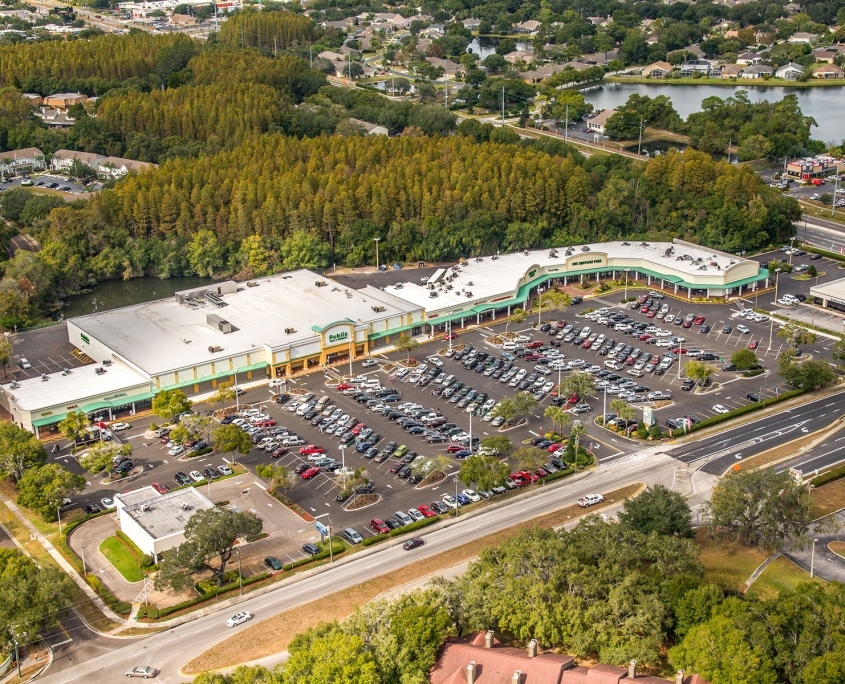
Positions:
{"x": 240, "y": 574}
{"x": 376, "y": 241}
{"x": 791, "y": 242}
{"x": 343, "y": 456}
{"x": 626, "y": 283}
{"x": 813, "y": 559}
{"x": 84, "y": 571}
{"x": 59, "y": 511}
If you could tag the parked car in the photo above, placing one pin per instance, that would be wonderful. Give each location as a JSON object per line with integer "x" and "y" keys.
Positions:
{"x": 273, "y": 563}
{"x": 311, "y": 549}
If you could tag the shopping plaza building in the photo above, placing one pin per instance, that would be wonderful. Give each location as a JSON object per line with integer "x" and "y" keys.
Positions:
{"x": 288, "y": 323}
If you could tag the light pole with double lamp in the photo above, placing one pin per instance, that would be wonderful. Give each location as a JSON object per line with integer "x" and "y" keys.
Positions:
{"x": 376, "y": 241}
{"x": 772, "y": 318}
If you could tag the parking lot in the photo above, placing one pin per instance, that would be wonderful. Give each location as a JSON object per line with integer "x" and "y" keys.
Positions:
{"x": 51, "y": 181}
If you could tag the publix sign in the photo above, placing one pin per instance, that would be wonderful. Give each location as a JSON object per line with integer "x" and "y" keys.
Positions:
{"x": 338, "y": 337}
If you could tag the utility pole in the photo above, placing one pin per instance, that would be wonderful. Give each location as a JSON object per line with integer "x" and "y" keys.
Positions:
{"x": 566, "y": 130}
{"x": 240, "y": 574}
{"x": 503, "y": 125}
{"x": 832, "y": 204}
{"x": 447, "y": 92}
{"x": 640, "y": 143}
{"x": 311, "y": 55}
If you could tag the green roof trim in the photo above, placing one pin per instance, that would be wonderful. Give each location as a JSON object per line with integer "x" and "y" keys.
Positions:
{"x": 321, "y": 328}
{"x": 393, "y": 331}
{"x": 215, "y": 376}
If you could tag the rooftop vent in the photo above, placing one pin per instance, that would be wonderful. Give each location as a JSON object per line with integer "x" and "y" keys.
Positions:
{"x": 107, "y": 362}
{"x": 99, "y": 370}
{"x": 488, "y": 639}
{"x": 218, "y": 323}
{"x": 213, "y": 349}
{"x": 378, "y": 309}
{"x": 532, "y": 648}
{"x": 471, "y": 672}
{"x": 185, "y": 507}
{"x": 321, "y": 283}
{"x": 290, "y": 331}
{"x": 145, "y": 508}
{"x": 251, "y": 283}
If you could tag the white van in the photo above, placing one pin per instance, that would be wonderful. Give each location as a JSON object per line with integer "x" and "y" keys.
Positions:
{"x": 510, "y": 346}
{"x": 372, "y": 385}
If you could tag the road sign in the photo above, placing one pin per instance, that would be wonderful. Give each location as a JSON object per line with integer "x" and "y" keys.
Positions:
{"x": 648, "y": 416}
{"x": 321, "y": 528}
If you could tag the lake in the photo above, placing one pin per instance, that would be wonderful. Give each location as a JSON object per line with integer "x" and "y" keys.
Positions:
{"x": 114, "y": 294}
{"x": 825, "y": 105}
{"x": 485, "y": 46}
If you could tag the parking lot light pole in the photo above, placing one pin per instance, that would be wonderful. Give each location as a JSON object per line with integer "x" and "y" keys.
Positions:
{"x": 791, "y": 243}
{"x": 84, "y": 572}
{"x": 772, "y": 318}
{"x": 376, "y": 241}
{"x": 240, "y": 574}
{"x": 626, "y": 283}
{"x": 813, "y": 559}
{"x": 59, "y": 511}
{"x": 343, "y": 456}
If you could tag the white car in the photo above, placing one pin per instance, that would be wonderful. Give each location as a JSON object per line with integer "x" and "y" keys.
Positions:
{"x": 117, "y": 427}
{"x": 450, "y": 501}
{"x": 415, "y": 514}
{"x": 742, "y": 329}
{"x": 369, "y": 363}
{"x": 590, "y": 500}
{"x": 196, "y": 476}
{"x": 107, "y": 503}
{"x": 718, "y": 408}
{"x": 239, "y": 619}
{"x": 434, "y": 361}
{"x": 224, "y": 469}
{"x": 24, "y": 364}
{"x": 277, "y": 383}
{"x": 471, "y": 495}
{"x": 522, "y": 338}
{"x": 175, "y": 450}
{"x": 143, "y": 671}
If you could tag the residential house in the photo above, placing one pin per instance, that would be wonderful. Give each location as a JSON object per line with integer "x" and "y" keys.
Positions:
{"x": 749, "y": 58}
{"x": 530, "y": 27}
{"x": 802, "y": 38}
{"x": 450, "y": 68}
{"x": 520, "y": 56}
{"x": 63, "y": 159}
{"x": 542, "y": 73}
{"x": 789, "y": 72}
{"x": 598, "y": 21}
{"x": 733, "y": 33}
{"x": 55, "y": 118}
{"x": 65, "y": 100}
{"x": 693, "y": 66}
{"x": 792, "y": 7}
{"x": 481, "y": 659}
{"x": 341, "y": 25}
{"x": 117, "y": 167}
{"x": 599, "y": 121}
{"x": 828, "y": 71}
{"x": 434, "y": 31}
{"x": 646, "y": 23}
{"x": 26, "y": 160}
{"x": 658, "y": 70}
{"x": 33, "y": 98}
{"x": 758, "y": 71}
{"x": 471, "y": 24}
{"x": 731, "y": 71}
{"x": 828, "y": 54}
{"x": 652, "y": 40}
{"x": 370, "y": 128}
{"x": 695, "y": 49}
{"x": 182, "y": 20}
{"x": 332, "y": 56}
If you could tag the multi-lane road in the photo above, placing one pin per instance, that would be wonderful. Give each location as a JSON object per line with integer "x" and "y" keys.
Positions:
{"x": 172, "y": 649}
{"x": 720, "y": 451}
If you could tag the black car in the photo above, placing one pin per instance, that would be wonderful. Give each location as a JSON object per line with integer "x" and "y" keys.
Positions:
{"x": 692, "y": 418}
{"x": 124, "y": 467}
{"x": 182, "y": 479}
{"x": 366, "y": 488}
{"x": 393, "y": 523}
{"x": 404, "y": 471}
{"x": 726, "y": 329}
{"x": 801, "y": 297}
{"x": 389, "y": 448}
{"x": 439, "y": 507}
{"x": 212, "y": 473}
{"x": 372, "y": 452}
{"x": 228, "y": 419}
{"x": 281, "y": 398}
{"x": 301, "y": 468}
{"x": 311, "y": 549}
{"x": 90, "y": 509}
{"x": 576, "y": 300}
{"x": 753, "y": 397}
{"x": 273, "y": 563}
{"x": 374, "y": 438}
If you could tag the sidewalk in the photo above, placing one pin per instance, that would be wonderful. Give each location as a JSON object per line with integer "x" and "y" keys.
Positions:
{"x": 35, "y": 658}
{"x": 67, "y": 567}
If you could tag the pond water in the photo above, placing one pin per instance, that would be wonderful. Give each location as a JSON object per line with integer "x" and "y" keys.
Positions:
{"x": 114, "y": 294}
{"x": 484, "y": 46}
{"x": 825, "y": 105}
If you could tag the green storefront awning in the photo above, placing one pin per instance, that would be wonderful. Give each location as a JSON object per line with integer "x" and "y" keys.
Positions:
{"x": 394, "y": 331}
{"x": 215, "y": 376}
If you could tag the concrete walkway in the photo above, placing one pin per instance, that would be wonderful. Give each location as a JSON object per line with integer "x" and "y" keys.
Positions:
{"x": 67, "y": 567}
{"x": 826, "y": 564}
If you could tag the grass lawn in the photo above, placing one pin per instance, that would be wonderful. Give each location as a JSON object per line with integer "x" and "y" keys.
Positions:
{"x": 728, "y": 564}
{"x": 122, "y": 558}
{"x": 827, "y": 498}
{"x": 838, "y": 548}
{"x": 782, "y": 574}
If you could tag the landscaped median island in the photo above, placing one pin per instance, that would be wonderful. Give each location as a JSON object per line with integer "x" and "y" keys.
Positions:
{"x": 118, "y": 550}
{"x": 274, "y": 635}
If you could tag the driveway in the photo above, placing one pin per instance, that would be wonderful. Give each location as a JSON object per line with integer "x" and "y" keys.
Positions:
{"x": 826, "y": 564}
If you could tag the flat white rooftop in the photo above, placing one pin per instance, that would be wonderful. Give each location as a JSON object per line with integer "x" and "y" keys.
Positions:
{"x": 167, "y": 514}
{"x": 164, "y": 335}
{"x": 77, "y": 387}
{"x": 136, "y": 496}
{"x": 504, "y": 274}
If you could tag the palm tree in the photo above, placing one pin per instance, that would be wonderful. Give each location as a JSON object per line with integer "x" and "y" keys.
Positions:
{"x": 618, "y": 406}
{"x": 576, "y": 432}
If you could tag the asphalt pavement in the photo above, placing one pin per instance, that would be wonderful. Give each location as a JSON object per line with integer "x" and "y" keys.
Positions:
{"x": 724, "y": 449}
{"x": 196, "y": 636}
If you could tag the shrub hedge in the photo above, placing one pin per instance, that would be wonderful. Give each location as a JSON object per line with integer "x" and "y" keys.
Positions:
{"x": 829, "y": 476}
{"x": 748, "y": 408}
{"x": 164, "y": 612}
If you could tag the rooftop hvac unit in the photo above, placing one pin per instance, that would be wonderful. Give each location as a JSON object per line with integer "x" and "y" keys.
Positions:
{"x": 185, "y": 507}
{"x": 99, "y": 371}
{"x": 107, "y": 362}
{"x": 290, "y": 331}
{"x": 321, "y": 283}
{"x": 378, "y": 309}
{"x": 218, "y": 323}
{"x": 214, "y": 348}
{"x": 13, "y": 385}
{"x": 145, "y": 508}
{"x": 252, "y": 283}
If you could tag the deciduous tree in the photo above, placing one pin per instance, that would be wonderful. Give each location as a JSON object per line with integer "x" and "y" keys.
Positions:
{"x": 231, "y": 438}
{"x": 43, "y": 488}
{"x": 19, "y": 450}
{"x": 485, "y": 472}
{"x": 170, "y": 403}
{"x": 658, "y": 509}
{"x": 744, "y": 359}
{"x": 100, "y": 456}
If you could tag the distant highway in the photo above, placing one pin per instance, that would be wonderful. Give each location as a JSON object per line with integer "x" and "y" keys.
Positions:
{"x": 726, "y": 448}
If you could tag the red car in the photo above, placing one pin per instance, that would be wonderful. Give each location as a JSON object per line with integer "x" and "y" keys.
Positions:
{"x": 267, "y": 422}
{"x": 358, "y": 428}
{"x": 308, "y": 474}
{"x": 644, "y": 309}
{"x": 160, "y": 488}
{"x": 587, "y": 344}
{"x": 412, "y": 543}
{"x": 452, "y": 448}
{"x": 378, "y": 525}
{"x": 426, "y": 511}
{"x": 753, "y": 344}
{"x": 531, "y": 357}
{"x": 552, "y": 448}
{"x": 680, "y": 350}
{"x": 534, "y": 345}
{"x": 450, "y": 336}
{"x": 645, "y": 337}
{"x": 651, "y": 313}
{"x": 311, "y": 449}
{"x": 817, "y": 181}
{"x": 281, "y": 451}
{"x": 344, "y": 386}
{"x": 698, "y": 320}
{"x": 561, "y": 324}
{"x": 574, "y": 398}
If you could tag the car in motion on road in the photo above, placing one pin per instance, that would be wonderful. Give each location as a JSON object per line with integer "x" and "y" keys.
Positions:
{"x": 144, "y": 671}
{"x": 412, "y": 543}
{"x": 239, "y": 619}
{"x": 117, "y": 427}
{"x": 590, "y": 500}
